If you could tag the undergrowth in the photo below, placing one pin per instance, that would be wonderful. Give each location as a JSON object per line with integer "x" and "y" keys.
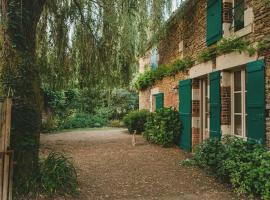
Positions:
{"x": 57, "y": 177}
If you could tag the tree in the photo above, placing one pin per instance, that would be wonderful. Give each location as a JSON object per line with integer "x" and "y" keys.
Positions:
{"x": 107, "y": 38}
{"x": 20, "y": 76}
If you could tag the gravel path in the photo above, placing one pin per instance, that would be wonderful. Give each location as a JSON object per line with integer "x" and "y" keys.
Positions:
{"x": 109, "y": 167}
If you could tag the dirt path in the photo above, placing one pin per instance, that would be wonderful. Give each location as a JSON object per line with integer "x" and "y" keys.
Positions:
{"x": 109, "y": 167}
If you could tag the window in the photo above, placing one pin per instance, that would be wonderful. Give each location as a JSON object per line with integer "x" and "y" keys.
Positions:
{"x": 239, "y": 103}
{"x": 239, "y": 14}
{"x": 154, "y": 58}
{"x": 205, "y": 107}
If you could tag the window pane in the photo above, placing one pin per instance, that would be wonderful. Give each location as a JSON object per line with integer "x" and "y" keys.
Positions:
{"x": 237, "y": 81}
{"x": 238, "y": 125}
{"x": 239, "y": 11}
{"x": 238, "y": 103}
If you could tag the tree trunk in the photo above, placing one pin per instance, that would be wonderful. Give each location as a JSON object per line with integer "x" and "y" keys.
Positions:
{"x": 20, "y": 77}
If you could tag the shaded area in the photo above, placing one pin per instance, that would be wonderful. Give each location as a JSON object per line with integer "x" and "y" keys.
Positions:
{"x": 109, "y": 167}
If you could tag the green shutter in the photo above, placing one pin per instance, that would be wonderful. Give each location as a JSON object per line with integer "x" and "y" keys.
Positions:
{"x": 255, "y": 101}
{"x": 214, "y": 21}
{"x": 215, "y": 105}
{"x": 185, "y": 104}
{"x": 159, "y": 101}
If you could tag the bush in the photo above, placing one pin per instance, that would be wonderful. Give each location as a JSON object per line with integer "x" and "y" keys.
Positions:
{"x": 135, "y": 120}
{"x": 82, "y": 120}
{"x": 210, "y": 154}
{"x": 116, "y": 124}
{"x": 163, "y": 127}
{"x": 245, "y": 164}
{"x": 58, "y": 176}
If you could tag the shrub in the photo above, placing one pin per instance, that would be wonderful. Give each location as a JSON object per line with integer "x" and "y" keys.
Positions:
{"x": 135, "y": 120}
{"x": 163, "y": 127}
{"x": 58, "y": 176}
{"x": 83, "y": 120}
{"x": 210, "y": 154}
{"x": 116, "y": 123}
{"x": 245, "y": 164}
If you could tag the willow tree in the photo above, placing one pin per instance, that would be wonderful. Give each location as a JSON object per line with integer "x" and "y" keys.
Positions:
{"x": 20, "y": 78}
{"x": 107, "y": 38}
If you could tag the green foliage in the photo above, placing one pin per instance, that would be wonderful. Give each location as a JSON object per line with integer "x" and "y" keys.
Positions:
{"x": 210, "y": 154}
{"x": 224, "y": 46}
{"x": 207, "y": 54}
{"x": 86, "y": 108}
{"x": 57, "y": 176}
{"x": 135, "y": 120}
{"x": 264, "y": 44}
{"x": 163, "y": 127}
{"x": 245, "y": 164}
{"x": 116, "y": 123}
{"x": 148, "y": 78}
{"x": 83, "y": 120}
{"x": 122, "y": 102}
{"x": 227, "y": 45}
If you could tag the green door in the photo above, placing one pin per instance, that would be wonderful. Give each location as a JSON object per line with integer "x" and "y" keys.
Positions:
{"x": 214, "y": 21}
{"x": 255, "y": 101}
{"x": 159, "y": 101}
{"x": 215, "y": 105}
{"x": 185, "y": 104}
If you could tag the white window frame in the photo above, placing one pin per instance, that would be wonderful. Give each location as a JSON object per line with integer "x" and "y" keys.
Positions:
{"x": 243, "y": 103}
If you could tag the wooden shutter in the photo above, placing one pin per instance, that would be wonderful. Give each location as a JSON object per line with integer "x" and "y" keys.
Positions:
{"x": 215, "y": 106}
{"x": 159, "y": 101}
{"x": 214, "y": 21}
{"x": 255, "y": 101}
{"x": 185, "y": 104}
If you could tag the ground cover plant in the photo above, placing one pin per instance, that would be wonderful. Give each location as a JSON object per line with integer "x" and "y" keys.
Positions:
{"x": 244, "y": 164}
{"x": 57, "y": 176}
{"x": 163, "y": 127}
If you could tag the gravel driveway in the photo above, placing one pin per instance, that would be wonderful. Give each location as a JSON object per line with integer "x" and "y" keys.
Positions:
{"x": 109, "y": 167}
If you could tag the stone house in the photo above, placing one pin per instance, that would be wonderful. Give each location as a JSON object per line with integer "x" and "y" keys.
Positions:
{"x": 228, "y": 94}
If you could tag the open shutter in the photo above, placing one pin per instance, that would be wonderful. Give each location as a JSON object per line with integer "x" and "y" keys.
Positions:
{"x": 185, "y": 104}
{"x": 214, "y": 21}
{"x": 215, "y": 106}
{"x": 255, "y": 101}
{"x": 159, "y": 101}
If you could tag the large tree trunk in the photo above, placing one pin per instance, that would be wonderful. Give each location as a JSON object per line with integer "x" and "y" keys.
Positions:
{"x": 20, "y": 76}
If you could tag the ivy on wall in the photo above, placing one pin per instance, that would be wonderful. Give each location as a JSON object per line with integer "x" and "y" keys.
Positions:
{"x": 226, "y": 45}
{"x": 149, "y": 78}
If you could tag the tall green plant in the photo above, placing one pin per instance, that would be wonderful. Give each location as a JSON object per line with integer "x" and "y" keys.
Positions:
{"x": 163, "y": 127}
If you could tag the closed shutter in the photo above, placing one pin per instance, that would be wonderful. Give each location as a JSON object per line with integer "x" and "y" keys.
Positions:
{"x": 255, "y": 101}
{"x": 159, "y": 101}
{"x": 215, "y": 105}
{"x": 214, "y": 21}
{"x": 185, "y": 104}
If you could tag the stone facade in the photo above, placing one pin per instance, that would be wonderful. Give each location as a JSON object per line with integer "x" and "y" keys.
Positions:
{"x": 186, "y": 37}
